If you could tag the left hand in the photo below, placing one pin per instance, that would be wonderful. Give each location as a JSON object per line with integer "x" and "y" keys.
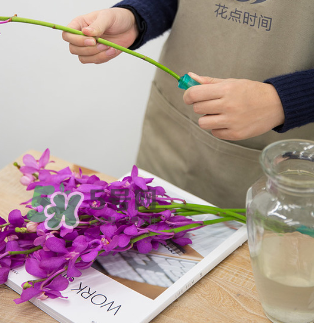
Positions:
{"x": 235, "y": 109}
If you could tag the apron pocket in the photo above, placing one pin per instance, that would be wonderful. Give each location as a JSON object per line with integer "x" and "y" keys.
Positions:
{"x": 178, "y": 150}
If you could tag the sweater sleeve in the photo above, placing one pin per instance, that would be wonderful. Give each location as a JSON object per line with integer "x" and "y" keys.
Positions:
{"x": 153, "y": 17}
{"x": 296, "y": 92}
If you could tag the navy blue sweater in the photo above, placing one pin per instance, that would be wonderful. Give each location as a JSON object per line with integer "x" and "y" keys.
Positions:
{"x": 296, "y": 90}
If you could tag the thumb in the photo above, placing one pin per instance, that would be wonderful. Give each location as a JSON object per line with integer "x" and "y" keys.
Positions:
{"x": 204, "y": 79}
{"x": 97, "y": 27}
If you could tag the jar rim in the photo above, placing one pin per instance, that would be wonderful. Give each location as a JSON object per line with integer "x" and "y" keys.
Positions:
{"x": 284, "y": 150}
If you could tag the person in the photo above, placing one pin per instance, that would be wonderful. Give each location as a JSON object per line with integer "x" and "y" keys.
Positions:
{"x": 258, "y": 59}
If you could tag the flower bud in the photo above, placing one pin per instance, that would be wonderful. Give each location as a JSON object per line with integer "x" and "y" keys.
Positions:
{"x": 27, "y": 179}
{"x": 31, "y": 226}
{"x": 27, "y": 285}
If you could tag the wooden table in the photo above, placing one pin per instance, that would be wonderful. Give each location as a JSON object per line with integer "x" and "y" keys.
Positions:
{"x": 226, "y": 294}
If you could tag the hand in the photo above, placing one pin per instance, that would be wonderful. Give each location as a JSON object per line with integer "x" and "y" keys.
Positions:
{"x": 116, "y": 25}
{"x": 235, "y": 109}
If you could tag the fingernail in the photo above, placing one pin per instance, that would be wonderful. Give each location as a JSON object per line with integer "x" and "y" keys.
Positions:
{"x": 102, "y": 47}
{"x": 89, "y": 42}
{"x": 111, "y": 52}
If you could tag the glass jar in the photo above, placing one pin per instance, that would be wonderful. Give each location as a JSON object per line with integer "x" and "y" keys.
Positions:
{"x": 280, "y": 222}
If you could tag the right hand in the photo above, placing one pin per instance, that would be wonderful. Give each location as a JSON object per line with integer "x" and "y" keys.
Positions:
{"x": 116, "y": 25}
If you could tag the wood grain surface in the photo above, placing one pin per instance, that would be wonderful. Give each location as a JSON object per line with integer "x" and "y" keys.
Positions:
{"x": 227, "y": 294}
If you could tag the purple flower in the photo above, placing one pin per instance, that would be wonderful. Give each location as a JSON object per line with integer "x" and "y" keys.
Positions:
{"x": 71, "y": 254}
{"x": 32, "y": 165}
{"x": 44, "y": 290}
{"x": 15, "y": 218}
{"x": 5, "y": 263}
{"x": 111, "y": 216}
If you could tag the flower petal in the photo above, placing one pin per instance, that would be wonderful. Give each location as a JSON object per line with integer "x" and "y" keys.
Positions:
{"x": 124, "y": 240}
{"x": 131, "y": 230}
{"x": 140, "y": 182}
{"x": 15, "y": 218}
{"x": 134, "y": 172}
{"x": 108, "y": 229}
{"x": 44, "y": 158}
{"x": 182, "y": 241}
{"x": 30, "y": 161}
{"x": 27, "y": 294}
{"x": 72, "y": 270}
{"x": 144, "y": 245}
{"x": 4, "y": 273}
{"x": 52, "y": 263}
{"x": 32, "y": 267}
{"x": 59, "y": 283}
{"x": 79, "y": 244}
{"x": 56, "y": 245}
{"x": 28, "y": 170}
{"x": 90, "y": 256}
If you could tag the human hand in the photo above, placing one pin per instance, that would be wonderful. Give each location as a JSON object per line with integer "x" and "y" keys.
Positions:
{"x": 116, "y": 25}
{"x": 235, "y": 109}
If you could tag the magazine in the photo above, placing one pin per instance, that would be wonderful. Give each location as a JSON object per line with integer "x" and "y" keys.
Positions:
{"x": 133, "y": 287}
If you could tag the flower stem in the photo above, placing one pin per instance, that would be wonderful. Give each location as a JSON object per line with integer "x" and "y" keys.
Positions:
{"x": 99, "y": 40}
{"x": 179, "y": 229}
{"x": 24, "y": 252}
{"x": 200, "y": 208}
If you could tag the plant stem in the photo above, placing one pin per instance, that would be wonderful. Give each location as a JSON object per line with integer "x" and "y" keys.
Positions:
{"x": 24, "y": 252}
{"x": 183, "y": 228}
{"x": 99, "y": 40}
{"x": 199, "y": 208}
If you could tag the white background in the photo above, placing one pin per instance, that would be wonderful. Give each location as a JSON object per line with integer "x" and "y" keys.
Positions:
{"x": 87, "y": 114}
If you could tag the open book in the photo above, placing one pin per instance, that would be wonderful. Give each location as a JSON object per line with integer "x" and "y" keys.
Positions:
{"x": 133, "y": 287}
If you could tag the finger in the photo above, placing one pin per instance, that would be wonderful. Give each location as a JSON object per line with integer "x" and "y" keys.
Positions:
{"x": 101, "y": 57}
{"x": 202, "y": 93}
{"x": 78, "y": 40}
{"x": 212, "y": 122}
{"x": 224, "y": 134}
{"x": 208, "y": 107}
{"x": 87, "y": 51}
{"x": 230, "y": 134}
{"x": 99, "y": 26}
{"x": 204, "y": 79}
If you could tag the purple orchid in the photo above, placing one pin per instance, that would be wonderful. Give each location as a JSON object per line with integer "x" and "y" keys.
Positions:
{"x": 44, "y": 290}
{"x": 69, "y": 255}
{"x": 33, "y": 166}
{"x": 112, "y": 218}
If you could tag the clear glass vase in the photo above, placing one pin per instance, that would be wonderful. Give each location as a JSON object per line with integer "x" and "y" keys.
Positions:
{"x": 280, "y": 222}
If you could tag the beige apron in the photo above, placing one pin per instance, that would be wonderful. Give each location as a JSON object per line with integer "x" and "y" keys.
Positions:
{"x": 223, "y": 39}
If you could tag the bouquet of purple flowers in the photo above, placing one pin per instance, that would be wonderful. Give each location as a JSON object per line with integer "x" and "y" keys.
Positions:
{"x": 74, "y": 218}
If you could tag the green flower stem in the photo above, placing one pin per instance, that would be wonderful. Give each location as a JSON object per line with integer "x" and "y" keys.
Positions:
{"x": 199, "y": 208}
{"x": 183, "y": 228}
{"x": 83, "y": 217}
{"x": 236, "y": 210}
{"x": 15, "y": 163}
{"x": 188, "y": 213}
{"x": 88, "y": 223}
{"x": 24, "y": 252}
{"x": 99, "y": 40}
